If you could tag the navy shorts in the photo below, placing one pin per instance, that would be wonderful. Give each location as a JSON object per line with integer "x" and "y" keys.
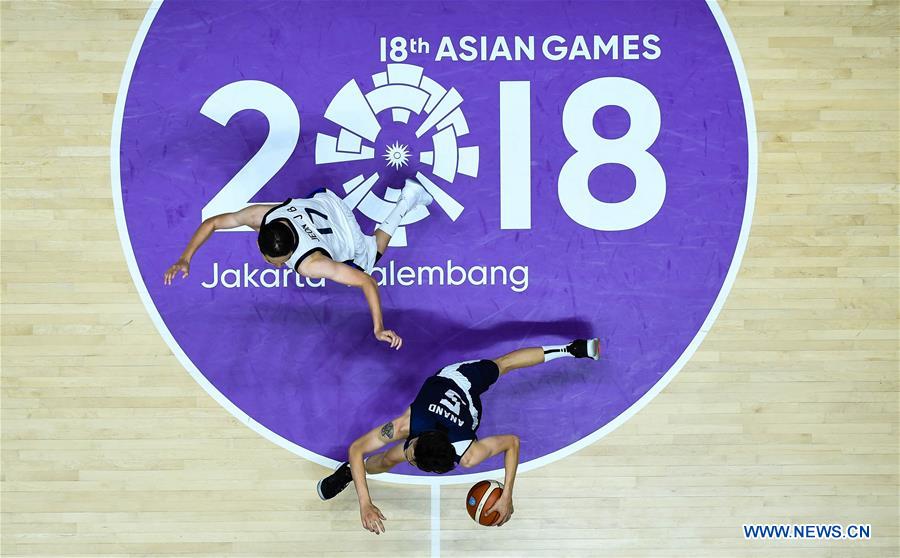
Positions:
{"x": 481, "y": 374}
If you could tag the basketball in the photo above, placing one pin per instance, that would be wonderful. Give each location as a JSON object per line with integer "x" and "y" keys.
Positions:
{"x": 481, "y": 497}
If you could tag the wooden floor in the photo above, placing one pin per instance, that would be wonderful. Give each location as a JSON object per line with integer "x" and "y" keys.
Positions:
{"x": 788, "y": 413}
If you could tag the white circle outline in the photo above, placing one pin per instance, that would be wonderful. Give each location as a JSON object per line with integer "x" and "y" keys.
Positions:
{"x": 115, "y": 179}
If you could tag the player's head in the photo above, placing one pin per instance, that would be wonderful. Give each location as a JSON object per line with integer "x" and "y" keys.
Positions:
{"x": 432, "y": 452}
{"x": 276, "y": 241}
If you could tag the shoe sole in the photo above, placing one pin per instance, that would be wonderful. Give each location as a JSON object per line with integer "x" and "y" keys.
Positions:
{"x": 319, "y": 490}
{"x": 593, "y": 348}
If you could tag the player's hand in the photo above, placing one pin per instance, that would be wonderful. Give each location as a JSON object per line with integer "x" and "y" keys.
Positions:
{"x": 182, "y": 265}
{"x": 504, "y": 507}
{"x": 372, "y": 518}
{"x": 389, "y": 336}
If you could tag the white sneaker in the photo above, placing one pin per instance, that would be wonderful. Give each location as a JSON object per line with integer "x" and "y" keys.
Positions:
{"x": 415, "y": 193}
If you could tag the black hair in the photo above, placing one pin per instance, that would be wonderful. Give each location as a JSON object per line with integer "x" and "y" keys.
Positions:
{"x": 276, "y": 239}
{"x": 434, "y": 453}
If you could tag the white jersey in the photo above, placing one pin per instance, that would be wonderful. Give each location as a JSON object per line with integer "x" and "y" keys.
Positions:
{"x": 323, "y": 223}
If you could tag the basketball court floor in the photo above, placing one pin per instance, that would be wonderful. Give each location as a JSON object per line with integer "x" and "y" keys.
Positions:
{"x": 711, "y": 188}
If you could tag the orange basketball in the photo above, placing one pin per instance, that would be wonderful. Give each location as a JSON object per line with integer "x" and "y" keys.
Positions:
{"x": 480, "y": 499}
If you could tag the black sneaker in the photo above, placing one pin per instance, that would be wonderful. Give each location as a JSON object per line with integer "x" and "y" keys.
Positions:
{"x": 335, "y": 483}
{"x": 584, "y": 348}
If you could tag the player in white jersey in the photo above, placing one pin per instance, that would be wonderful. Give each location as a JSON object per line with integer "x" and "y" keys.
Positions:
{"x": 319, "y": 238}
{"x": 438, "y": 430}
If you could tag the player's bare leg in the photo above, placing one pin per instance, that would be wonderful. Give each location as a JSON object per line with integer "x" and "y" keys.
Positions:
{"x": 384, "y": 461}
{"x": 381, "y": 240}
{"x": 413, "y": 194}
{"x": 532, "y": 356}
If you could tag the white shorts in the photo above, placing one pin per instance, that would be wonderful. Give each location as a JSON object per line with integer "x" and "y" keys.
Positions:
{"x": 365, "y": 250}
{"x": 365, "y": 257}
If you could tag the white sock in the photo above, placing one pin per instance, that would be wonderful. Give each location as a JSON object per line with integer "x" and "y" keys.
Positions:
{"x": 555, "y": 351}
{"x": 396, "y": 215}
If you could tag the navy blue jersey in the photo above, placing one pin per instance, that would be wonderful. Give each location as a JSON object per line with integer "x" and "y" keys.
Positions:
{"x": 450, "y": 401}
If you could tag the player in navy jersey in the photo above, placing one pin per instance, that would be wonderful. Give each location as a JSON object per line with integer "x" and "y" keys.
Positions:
{"x": 438, "y": 429}
{"x": 318, "y": 237}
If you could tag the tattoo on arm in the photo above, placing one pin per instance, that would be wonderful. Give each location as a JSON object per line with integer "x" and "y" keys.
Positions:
{"x": 387, "y": 431}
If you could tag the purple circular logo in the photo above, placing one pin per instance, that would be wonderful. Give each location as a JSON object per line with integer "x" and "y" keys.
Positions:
{"x": 593, "y": 171}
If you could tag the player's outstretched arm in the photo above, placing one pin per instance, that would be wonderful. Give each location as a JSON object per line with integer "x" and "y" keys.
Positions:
{"x": 326, "y": 268}
{"x": 250, "y": 216}
{"x": 487, "y": 448}
{"x": 397, "y": 429}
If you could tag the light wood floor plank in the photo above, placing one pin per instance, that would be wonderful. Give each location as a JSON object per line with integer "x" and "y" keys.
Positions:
{"x": 787, "y": 413}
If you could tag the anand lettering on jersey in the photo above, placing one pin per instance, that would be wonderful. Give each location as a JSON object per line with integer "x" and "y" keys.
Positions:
{"x": 440, "y": 411}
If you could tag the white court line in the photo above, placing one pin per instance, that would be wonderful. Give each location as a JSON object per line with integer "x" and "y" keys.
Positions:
{"x": 411, "y": 479}
{"x": 435, "y": 521}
